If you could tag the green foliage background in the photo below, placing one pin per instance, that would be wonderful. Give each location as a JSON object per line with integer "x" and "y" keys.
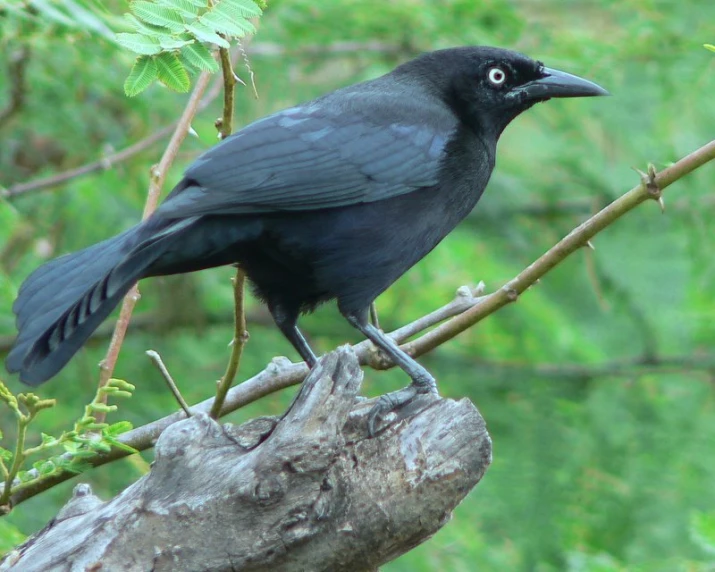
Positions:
{"x": 597, "y": 386}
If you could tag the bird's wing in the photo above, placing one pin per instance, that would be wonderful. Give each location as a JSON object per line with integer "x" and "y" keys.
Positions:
{"x": 307, "y": 158}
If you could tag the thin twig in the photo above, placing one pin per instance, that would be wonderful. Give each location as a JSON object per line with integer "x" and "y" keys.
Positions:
{"x": 240, "y": 337}
{"x": 240, "y": 334}
{"x": 159, "y": 363}
{"x": 105, "y": 163}
{"x": 158, "y": 175}
{"x": 281, "y": 373}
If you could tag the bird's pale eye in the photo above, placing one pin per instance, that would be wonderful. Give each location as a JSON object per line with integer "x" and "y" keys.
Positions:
{"x": 496, "y": 76}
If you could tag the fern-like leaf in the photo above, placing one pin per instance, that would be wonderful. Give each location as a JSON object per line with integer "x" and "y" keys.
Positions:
{"x": 171, "y": 73}
{"x": 184, "y": 8}
{"x": 243, "y": 8}
{"x": 143, "y": 73}
{"x": 200, "y": 57}
{"x": 207, "y": 34}
{"x": 144, "y": 28}
{"x": 170, "y": 43}
{"x": 139, "y": 44}
{"x": 220, "y": 22}
{"x": 157, "y": 15}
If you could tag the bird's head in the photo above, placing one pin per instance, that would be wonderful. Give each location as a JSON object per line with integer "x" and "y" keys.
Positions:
{"x": 488, "y": 87}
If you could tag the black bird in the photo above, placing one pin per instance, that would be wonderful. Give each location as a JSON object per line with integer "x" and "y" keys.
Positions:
{"x": 334, "y": 199}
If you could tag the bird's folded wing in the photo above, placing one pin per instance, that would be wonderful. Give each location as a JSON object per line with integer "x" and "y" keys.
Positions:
{"x": 307, "y": 158}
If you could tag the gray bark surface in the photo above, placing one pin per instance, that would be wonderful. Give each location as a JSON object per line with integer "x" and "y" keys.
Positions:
{"x": 310, "y": 491}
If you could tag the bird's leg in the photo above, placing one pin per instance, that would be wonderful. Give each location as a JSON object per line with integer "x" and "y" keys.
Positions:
{"x": 287, "y": 323}
{"x": 422, "y": 380}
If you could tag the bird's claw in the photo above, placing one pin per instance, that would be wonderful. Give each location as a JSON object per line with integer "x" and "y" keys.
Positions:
{"x": 396, "y": 399}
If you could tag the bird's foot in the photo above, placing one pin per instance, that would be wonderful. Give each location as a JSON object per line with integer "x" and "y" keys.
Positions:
{"x": 397, "y": 399}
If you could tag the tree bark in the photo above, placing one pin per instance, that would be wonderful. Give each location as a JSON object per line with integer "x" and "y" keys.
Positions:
{"x": 309, "y": 491}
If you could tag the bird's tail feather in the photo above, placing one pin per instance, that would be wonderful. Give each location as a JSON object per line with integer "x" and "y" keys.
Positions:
{"x": 64, "y": 301}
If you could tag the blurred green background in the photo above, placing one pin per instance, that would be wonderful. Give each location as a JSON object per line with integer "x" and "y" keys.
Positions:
{"x": 597, "y": 386}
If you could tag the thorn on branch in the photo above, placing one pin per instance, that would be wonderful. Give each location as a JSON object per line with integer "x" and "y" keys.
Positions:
{"x": 590, "y": 245}
{"x": 651, "y": 186}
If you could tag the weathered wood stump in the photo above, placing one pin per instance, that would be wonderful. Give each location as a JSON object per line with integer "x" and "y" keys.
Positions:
{"x": 308, "y": 491}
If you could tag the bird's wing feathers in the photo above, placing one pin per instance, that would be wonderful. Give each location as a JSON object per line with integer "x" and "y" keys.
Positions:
{"x": 308, "y": 158}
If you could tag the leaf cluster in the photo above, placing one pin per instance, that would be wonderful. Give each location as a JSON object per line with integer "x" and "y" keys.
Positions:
{"x": 170, "y": 38}
{"x": 87, "y": 439}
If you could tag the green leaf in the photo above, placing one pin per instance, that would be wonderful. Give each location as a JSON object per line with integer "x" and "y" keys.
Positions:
{"x": 48, "y": 440}
{"x": 102, "y": 407}
{"x": 710, "y": 47}
{"x": 170, "y": 43}
{"x": 240, "y": 8}
{"x": 120, "y": 383}
{"x": 171, "y": 73}
{"x": 185, "y": 8}
{"x": 206, "y": 34}
{"x": 219, "y": 22}
{"x": 199, "y": 3}
{"x": 78, "y": 466}
{"x": 100, "y": 446}
{"x": 157, "y": 15}
{"x": 199, "y": 56}
{"x": 118, "y": 428}
{"x": 143, "y": 73}
{"x": 146, "y": 29}
{"x": 44, "y": 467}
{"x": 139, "y": 44}
{"x": 119, "y": 445}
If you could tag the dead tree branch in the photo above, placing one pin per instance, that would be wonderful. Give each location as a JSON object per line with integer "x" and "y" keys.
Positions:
{"x": 306, "y": 492}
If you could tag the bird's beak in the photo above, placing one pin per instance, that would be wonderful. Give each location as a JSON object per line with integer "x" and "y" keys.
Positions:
{"x": 556, "y": 83}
